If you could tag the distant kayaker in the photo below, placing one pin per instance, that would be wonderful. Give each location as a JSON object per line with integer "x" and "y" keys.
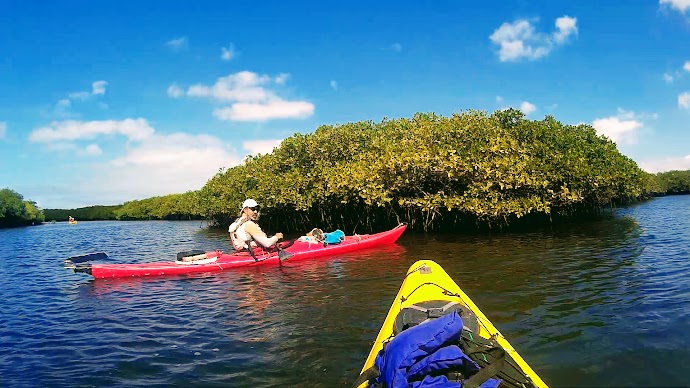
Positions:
{"x": 246, "y": 231}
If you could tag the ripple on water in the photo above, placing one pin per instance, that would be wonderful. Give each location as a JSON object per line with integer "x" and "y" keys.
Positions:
{"x": 588, "y": 304}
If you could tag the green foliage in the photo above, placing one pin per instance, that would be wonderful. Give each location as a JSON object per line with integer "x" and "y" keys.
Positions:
{"x": 674, "y": 182}
{"x": 15, "y": 211}
{"x": 430, "y": 171}
{"x": 89, "y": 213}
{"x": 11, "y": 203}
{"x": 169, "y": 207}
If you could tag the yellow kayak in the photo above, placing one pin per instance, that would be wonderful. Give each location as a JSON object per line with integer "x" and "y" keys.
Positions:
{"x": 427, "y": 292}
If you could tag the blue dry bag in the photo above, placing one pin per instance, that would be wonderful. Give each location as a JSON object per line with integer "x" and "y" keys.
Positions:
{"x": 335, "y": 237}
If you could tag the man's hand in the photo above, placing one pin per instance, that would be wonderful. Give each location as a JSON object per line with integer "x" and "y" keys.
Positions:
{"x": 279, "y": 235}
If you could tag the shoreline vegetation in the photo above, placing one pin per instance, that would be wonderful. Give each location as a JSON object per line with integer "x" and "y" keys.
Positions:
{"x": 15, "y": 211}
{"x": 471, "y": 170}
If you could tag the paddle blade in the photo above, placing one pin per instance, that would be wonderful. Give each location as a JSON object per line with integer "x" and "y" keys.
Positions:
{"x": 87, "y": 257}
{"x": 282, "y": 255}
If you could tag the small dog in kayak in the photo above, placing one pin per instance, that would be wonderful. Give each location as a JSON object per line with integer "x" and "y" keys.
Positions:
{"x": 314, "y": 236}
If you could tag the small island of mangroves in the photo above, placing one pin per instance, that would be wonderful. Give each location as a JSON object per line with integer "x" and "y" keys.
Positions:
{"x": 470, "y": 170}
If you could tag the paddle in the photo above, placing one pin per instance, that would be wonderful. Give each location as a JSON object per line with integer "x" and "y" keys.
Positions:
{"x": 88, "y": 257}
{"x": 282, "y": 255}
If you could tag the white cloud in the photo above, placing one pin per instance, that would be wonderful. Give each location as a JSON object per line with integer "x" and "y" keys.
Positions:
{"x": 72, "y": 149}
{"x": 667, "y": 164}
{"x": 334, "y": 85}
{"x": 62, "y": 107}
{"x": 680, "y": 5}
{"x": 629, "y": 115}
{"x": 61, "y": 146}
{"x": 519, "y": 39}
{"x": 134, "y": 129}
{"x": 261, "y": 146}
{"x": 527, "y": 107}
{"x": 175, "y": 91}
{"x": 177, "y": 44}
{"x": 244, "y": 86}
{"x": 165, "y": 150}
{"x": 397, "y": 47}
{"x": 79, "y": 96}
{"x": 250, "y": 99}
{"x": 621, "y": 128}
{"x": 161, "y": 165}
{"x": 227, "y": 53}
{"x": 275, "y": 109}
{"x": 511, "y": 37}
{"x": 684, "y": 100}
{"x": 282, "y": 78}
{"x": 93, "y": 149}
{"x": 670, "y": 77}
{"x": 98, "y": 87}
{"x": 565, "y": 27}
{"x": 3, "y": 129}
{"x": 153, "y": 165}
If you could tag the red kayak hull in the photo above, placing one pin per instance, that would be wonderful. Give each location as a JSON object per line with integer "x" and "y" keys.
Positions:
{"x": 298, "y": 251}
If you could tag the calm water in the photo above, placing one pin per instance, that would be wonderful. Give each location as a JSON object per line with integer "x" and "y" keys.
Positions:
{"x": 601, "y": 303}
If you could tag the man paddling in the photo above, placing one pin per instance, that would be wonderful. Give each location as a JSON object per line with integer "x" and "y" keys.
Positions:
{"x": 245, "y": 233}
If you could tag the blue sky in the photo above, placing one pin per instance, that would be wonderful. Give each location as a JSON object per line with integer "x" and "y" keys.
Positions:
{"x": 104, "y": 102}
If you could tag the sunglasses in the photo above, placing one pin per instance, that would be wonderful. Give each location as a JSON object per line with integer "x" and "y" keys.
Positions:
{"x": 255, "y": 208}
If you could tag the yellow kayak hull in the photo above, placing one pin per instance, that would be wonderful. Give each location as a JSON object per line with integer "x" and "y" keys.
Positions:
{"x": 426, "y": 281}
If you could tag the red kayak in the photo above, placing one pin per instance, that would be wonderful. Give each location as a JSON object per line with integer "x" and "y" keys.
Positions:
{"x": 219, "y": 261}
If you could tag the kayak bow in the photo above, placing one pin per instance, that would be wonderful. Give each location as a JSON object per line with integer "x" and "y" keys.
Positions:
{"x": 218, "y": 261}
{"x": 427, "y": 292}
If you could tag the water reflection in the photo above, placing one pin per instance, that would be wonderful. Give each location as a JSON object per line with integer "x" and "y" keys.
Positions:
{"x": 594, "y": 303}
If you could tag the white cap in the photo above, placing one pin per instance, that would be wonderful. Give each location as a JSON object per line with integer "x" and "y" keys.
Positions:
{"x": 249, "y": 203}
